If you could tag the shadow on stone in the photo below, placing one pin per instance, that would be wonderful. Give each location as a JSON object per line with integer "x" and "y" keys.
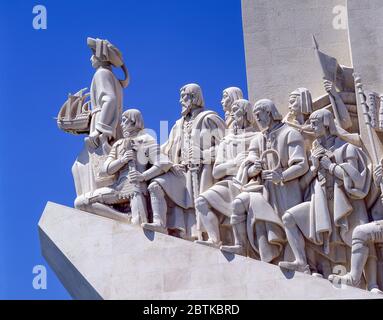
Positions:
{"x": 228, "y": 255}
{"x": 149, "y": 234}
{"x": 289, "y": 274}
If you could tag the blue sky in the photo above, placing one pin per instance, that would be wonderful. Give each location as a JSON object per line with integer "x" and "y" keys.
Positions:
{"x": 166, "y": 44}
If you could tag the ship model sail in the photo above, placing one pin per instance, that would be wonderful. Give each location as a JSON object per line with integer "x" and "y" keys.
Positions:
{"x": 75, "y": 114}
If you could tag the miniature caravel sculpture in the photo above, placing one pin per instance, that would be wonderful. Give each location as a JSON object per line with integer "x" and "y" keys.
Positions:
{"x": 298, "y": 191}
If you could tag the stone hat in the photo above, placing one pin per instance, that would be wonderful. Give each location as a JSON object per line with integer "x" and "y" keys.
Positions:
{"x": 105, "y": 51}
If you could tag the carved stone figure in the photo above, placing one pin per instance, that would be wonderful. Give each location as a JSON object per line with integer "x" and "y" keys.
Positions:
{"x": 191, "y": 148}
{"x": 132, "y": 162}
{"x": 337, "y": 183}
{"x": 229, "y": 95}
{"x": 300, "y": 107}
{"x": 270, "y": 186}
{"x": 214, "y": 205}
{"x": 364, "y": 256}
{"x": 106, "y": 98}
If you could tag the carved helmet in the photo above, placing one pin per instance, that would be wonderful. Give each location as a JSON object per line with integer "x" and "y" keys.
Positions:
{"x": 107, "y": 52}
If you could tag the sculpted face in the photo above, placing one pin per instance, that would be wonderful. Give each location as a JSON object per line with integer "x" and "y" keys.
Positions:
{"x": 95, "y": 62}
{"x": 186, "y": 103}
{"x": 238, "y": 115}
{"x": 226, "y": 101}
{"x": 294, "y": 107}
{"x": 262, "y": 117}
{"x": 128, "y": 125}
{"x": 318, "y": 127}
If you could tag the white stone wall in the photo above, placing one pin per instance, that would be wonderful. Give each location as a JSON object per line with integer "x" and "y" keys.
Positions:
{"x": 365, "y": 19}
{"x": 279, "y": 49}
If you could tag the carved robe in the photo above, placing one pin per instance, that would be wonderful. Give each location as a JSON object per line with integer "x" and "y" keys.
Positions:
{"x": 221, "y": 194}
{"x": 106, "y": 119}
{"x": 179, "y": 188}
{"x": 336, "y": 206}
{"x": 269, "y": 201}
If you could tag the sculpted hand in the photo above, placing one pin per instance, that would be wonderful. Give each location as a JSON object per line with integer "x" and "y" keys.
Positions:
{"x": 128, "y": 156}
{"x": 377, "y": 174}
{"x": 329, "y": 87}
{"x": 255, "y": 169}
{"x": 94, "y": 138}
{"x": 239, "y": 159}
{"x": 272, "y": 175}
{"x": 178, "y": 169}
{"x": 135, "y": 176}
{"x": 325, "y": 162}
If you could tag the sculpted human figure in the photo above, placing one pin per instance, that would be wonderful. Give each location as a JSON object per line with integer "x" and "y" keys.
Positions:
{"x": 364, "y": 257}
{"x": 191, "y": 148}
{"x": 215, "y": 203}
{"x": 276, "y": 160}
{"x": 300, "y": 107}
{"x": 338, "y": 181}
{"x": 229, "y": 95}
{"x": 106, "y": 95}
{"x": 132, "y": 161}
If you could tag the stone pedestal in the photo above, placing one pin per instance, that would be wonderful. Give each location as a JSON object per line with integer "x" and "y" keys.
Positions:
{"x": 99, "y": 258}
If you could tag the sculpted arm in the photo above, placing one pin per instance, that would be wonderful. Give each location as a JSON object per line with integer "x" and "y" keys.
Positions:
{"x": 106, "y": 99}
{"x": 160, "y": 162}
{"x": 223, "y": 166}
{"x": 344, "y": 119}
{"x": 297, "y": 163}
{"x": 112, "y": 164}
{"x": 211, "y": 135}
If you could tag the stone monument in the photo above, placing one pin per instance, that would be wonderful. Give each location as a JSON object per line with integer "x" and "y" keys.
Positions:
{"x": 279, "y": 200}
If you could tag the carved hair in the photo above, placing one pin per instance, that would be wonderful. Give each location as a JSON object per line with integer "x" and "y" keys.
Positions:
{"x": 305, "y": 100}
{"x": 246, "y": 108}
{"x": 136, "y": 116}
{"x": 234, "y": 93}
{"x": 107, "y": 52}
{"x": 196, "y": 93}
{"x": 269, "y": 106}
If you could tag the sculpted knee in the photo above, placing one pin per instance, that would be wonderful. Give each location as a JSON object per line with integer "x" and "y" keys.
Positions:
{"x": 201, "y": 205}
{"x": 80, "y": 203}
{"x": 288, "y": 219}
{"x": 155, "y": 189}
{"x": 360, "y": 233}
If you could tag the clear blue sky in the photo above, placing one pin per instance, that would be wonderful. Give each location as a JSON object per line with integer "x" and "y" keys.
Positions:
{"x": 166, "y": 44}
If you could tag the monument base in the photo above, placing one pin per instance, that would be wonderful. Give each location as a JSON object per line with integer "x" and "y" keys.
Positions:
{"x": 99, "y": 258}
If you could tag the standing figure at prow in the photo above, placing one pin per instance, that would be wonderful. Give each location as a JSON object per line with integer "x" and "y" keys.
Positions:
{"x": 270, "y": 179}
{"x": 191, "y": 148}
{"x": 106, "y": 97}
{"x": 338, "y": 181}
{"x": 229, "y": 95}
{"x": 367, "y": 242}
{"x": 214, "y": 205}
{"x": 132, "y": 162}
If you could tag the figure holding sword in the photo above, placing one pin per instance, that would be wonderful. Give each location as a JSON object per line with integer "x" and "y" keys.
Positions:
{"x": 132, "y": 162}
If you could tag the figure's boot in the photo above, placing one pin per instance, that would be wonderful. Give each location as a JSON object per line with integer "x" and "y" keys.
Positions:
{"x": 159, "y": 207}
{"x": 240, "y": 240}
{"x": 359, "y": 256}
{"x": 297, "y": 244}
